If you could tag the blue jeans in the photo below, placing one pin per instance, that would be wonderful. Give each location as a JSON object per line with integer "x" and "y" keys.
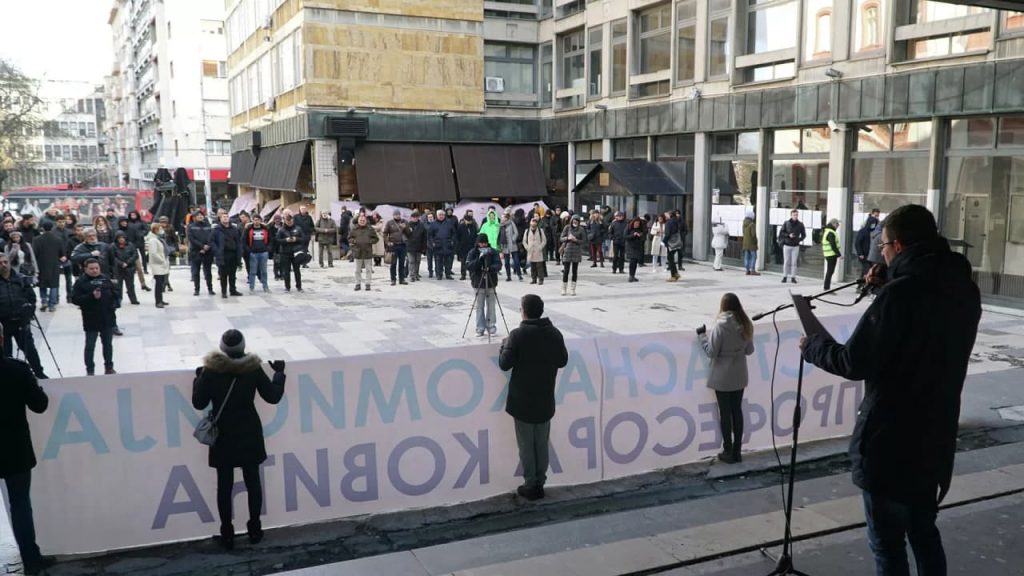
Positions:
{"x": 398, "y": 265}
{"x": 750, "y": 260}
{"x": 890, "y": 523}
{"x": 49, "y": 296}
{"x": 486, "y": 320}
{"x": 258, "y": 268}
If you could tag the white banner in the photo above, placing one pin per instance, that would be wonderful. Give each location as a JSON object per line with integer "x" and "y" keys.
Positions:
{"x": 118, "y": 466}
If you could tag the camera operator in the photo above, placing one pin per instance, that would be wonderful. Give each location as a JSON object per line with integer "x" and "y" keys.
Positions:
{"x": 17, "y": 308}
{"x": 913, "y": 361}
{"x": 97, "y": 297}
{"x": 17, "y": 458}
{"x": 484, "y": 264}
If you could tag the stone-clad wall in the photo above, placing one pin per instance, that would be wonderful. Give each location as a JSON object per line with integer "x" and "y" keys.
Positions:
{"x": 374, "y": 67}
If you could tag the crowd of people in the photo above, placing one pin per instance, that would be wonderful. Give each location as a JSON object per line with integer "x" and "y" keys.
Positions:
{"x": 913, "y": 361}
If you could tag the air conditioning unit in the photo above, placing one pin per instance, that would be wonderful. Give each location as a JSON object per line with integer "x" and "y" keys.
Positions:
{"x": 268, "y": 23}
{"x": 494, "y": 84}
{"x": 271, "y": 103}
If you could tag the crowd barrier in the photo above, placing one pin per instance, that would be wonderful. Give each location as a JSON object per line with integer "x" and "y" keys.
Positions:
{"x": 118, "y": 466}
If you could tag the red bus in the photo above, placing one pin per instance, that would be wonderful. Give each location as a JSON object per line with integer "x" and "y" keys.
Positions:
{"x": 85, "y": 202}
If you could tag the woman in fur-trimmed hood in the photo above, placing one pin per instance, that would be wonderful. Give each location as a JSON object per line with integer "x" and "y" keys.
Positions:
{"x": 240, "y": 442}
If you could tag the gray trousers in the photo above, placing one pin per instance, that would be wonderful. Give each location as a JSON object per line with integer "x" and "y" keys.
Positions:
{"x": 532, "y": 440}
{"x": 790, "y": 255}
{"x": 414, "y": 264}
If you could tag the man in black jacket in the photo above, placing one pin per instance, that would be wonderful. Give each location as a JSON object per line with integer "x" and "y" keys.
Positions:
{"x": 484, "y": 264}
{"x": 304, "y": 221}
{"x": 200, "y": 251}
{"x": 417, "y": 244}
{"x": 97, "y": 297}
{"x": 911, "y": 348}
{"x": 617, "y": 233}
{"x": 17, "y": 458}
{"x": 465, "y": 237}
{"x": 17, "y": 308}
{"x": 791, "y": 235}
{"x": 291, "y": 239}
{"x": 862, "y": 243}
{"x": 533, "y": 352}
{"x": 226, "y": 240}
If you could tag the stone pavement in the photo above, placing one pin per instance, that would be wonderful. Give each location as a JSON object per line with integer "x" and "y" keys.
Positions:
{"x": 329, "y": 319}
{"x": 715, "y": 535}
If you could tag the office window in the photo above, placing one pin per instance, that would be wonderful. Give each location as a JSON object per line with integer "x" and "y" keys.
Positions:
{"x": 218, "y": 147}
{"x": 286, "y": 64}
{"x": 922, "y": 11}
{"x": 572, "y": 56}
{"x": 570, "y": 8}
{"x": 647, "y": 89}
{"x": 254, "y": 86}
{"x": 1013, "y": 21}
{"x": 515, "y": 64}
{"x": 90, "y": 129}
{"x": 686, "y": 40}
{"x": 771, "y": 26}
{"x": 718, "y": 38}
{"x": 817, "y": 29}
{"x": 49, "y": 152}
{"x": 654, "y": 39}
{"x": 266, "y": 90}
{"x": 867, "y": 18}
{"x": 947, "y": 45}
{"x": 594, "y": 57}
{"x": 214, "y": 69}
{"x": 546, "y": 60}
{"x": 620, "y": 61}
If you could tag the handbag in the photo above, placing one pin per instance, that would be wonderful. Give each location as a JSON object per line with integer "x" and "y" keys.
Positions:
{"x": 302, "y": 257}
{"x": 206, "y": 431}
{"x": 388, "y": 256}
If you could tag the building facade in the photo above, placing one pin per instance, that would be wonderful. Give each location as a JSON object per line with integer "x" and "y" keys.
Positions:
{"x": 69, "y": 147}
{"x": 167, "y": 93}
{"x": 831, "y": 107}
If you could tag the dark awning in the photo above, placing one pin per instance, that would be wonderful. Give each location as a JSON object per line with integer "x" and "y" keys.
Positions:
{"x": 278, "y": 167}
{"x": 404, "y": 173}
{"x": 488, "y": 171}
{"x": 243, "y": 165}
{"x": 639, "y": 177}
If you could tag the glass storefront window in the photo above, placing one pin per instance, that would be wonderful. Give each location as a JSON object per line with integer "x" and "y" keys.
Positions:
{"x": 733, "y": 179}
{"x": 972, "y": 133}
{"x": 799, "y": 181}
{"x": 983, "y": 217}
{"x": 911, "y": 135}
{"x": 748, "y": 142}
{"x": 1011, "y": 131}
{"x": 887, "y": 183}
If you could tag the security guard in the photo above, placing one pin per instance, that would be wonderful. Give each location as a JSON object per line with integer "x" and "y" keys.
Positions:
{"x": 830, "y": 249}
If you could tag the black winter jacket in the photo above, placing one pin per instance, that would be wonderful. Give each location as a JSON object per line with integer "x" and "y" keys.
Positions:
{"x": 224, "y": 240}
{"x": 533, "y": 352}
{"x": 617, "y": 232}
{"x": 17, "y": 301}
{"x": 305, "y": 222}
{"x": 911, "y": 348}
{"x": 240, "y": 442}
{"x": 199, "y": 234}
{"x": 286, "y": 232}
{"x": 20, "y": 391}
{"x": 417, "y": 239}
{"x": 477, "y": 265}
{"x": 466, "y": 237}
{"x": 97, "y": 315}
{"x": 84, "y": 251}
{"x": 124, "y": 260}
{"x": 792, "y": 233}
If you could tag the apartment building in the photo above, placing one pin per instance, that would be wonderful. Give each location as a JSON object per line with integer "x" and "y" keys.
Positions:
{"x": 69, "y": 147}
{"x": 167, "y": 93}
{"x": 718, "y": 108}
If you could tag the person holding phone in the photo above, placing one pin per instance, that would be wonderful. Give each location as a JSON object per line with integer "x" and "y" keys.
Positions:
{"x": 730, "y": 342}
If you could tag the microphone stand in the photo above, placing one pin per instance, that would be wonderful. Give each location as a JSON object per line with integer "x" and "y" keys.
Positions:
{"x": 784, "y": 562}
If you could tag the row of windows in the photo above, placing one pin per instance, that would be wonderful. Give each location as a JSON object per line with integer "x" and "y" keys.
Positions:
{"x": 248, "y": 17}
{"x": 275, "y": 72}
{"x": 660, "y": 43}
{"x": 57, "y": 129}
{"x": 56, "y": 153}
{"x": 49, "y": 177}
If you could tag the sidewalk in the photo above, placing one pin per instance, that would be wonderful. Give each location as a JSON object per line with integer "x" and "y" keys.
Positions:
{"x": 718, "y": 533}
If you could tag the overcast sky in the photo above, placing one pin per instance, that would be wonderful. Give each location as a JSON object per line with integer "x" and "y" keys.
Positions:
{"x": 58, "y": 39}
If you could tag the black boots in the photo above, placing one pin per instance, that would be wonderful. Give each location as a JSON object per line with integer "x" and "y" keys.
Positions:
{"x": 255, "y": 531}
{"x": 730, "y": 453}
{"x": 227, "y": 536}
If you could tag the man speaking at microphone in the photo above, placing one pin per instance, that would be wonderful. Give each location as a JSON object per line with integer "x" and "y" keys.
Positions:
{"x": 911, "y": 348}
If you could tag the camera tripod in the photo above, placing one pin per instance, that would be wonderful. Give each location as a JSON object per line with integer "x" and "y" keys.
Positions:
{"x": 45, "y": 340}
{"x": 485, "y": 276}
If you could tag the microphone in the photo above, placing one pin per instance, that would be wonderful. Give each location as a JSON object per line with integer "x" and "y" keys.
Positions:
{"x": 865, "y": 287}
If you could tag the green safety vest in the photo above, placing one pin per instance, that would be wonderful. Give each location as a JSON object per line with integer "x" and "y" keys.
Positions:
{"x": 826, "y": 246}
